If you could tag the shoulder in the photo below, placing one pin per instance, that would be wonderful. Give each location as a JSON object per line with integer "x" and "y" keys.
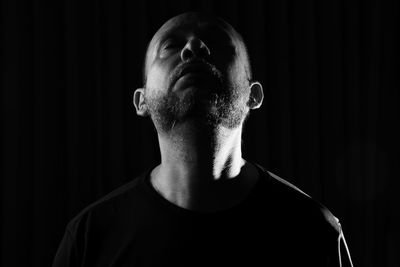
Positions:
{"x": 108, "y": 206}
{"x": 292, "y": 200}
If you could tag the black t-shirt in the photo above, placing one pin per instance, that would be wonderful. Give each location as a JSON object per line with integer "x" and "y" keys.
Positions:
{"x": 276, "y": 225}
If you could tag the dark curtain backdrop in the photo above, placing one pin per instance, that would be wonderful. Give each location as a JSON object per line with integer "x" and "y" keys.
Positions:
{"x": 70, "y": 134}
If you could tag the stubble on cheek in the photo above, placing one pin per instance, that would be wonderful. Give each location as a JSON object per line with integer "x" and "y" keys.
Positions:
{"x": 167, "y": 108}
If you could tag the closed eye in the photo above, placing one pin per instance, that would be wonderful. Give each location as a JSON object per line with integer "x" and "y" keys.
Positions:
{"x": 171, "y": 45}
{"x": 223, "y": 48}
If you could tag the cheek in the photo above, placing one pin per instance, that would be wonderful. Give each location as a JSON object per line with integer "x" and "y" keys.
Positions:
{"x": 156, "y": 78}
{"x": 237, "y": 73}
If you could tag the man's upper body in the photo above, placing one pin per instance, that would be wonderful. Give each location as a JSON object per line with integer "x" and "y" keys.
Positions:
{"x": 274, "y": 225}
{"x": 204, "y": 204}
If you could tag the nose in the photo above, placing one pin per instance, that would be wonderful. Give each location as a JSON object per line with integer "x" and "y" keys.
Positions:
{"x": 194, "y": 48}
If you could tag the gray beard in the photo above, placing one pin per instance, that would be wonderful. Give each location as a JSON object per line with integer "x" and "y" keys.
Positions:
{"x": 226, "y": 108}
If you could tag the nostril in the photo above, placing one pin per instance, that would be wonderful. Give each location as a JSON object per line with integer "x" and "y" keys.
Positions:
{"x": 205, "y": 50}
{"x": 186, "y": 54}
{"x": 195, "y": 48}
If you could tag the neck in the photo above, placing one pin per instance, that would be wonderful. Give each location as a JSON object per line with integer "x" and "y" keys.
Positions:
{"x": 197, "y": 169}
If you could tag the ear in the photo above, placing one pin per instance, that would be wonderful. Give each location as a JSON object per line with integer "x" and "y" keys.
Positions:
{"x": 256, "y": 95}
{"x": 139, "y": 103}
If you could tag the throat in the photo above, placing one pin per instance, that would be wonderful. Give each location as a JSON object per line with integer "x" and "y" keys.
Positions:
{"x": 211, "y": 196}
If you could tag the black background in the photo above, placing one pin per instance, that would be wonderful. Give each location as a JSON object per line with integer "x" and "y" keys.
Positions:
{"x": 70, "y": 134}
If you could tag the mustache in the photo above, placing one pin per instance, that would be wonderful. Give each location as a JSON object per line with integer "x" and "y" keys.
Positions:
{"x": 197, "y": 63}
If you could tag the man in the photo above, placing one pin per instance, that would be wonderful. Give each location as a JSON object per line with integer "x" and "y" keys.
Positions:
{"x": 204, "y": 205}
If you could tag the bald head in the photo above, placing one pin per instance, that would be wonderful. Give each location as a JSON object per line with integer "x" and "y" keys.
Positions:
{"x": 200, "y": 23}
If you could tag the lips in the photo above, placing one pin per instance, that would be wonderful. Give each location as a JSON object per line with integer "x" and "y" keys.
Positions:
{"x": 188, "y": 68}
{"x": 195, "y": 68}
